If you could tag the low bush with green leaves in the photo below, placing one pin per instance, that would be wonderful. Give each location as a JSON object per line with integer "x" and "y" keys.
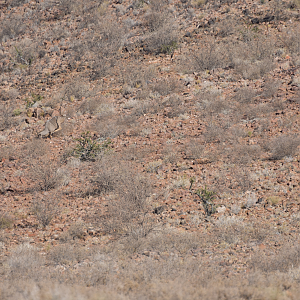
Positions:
{"x": 34, "y": 98}
{"x": 88, "y": 149}
{"x": 207, "y": 197}
{"x": 17, "y": 112}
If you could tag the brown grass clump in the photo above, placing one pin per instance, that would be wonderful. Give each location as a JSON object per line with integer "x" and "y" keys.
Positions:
{"x": 67, "y": 254}
{"x": 24, "y": 262}
{"x": 287, "y": 259}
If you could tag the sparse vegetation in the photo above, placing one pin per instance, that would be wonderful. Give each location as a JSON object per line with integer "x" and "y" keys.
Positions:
{"x": 34, "y": 98}
{"x": 45, "y": 209}
{"x": 88, "y": 149}
{"x": 6, "y": 221}
{"x": 284, "y": 146}
{"x": 207, "y": 197}
{"x": 176, "y": 172}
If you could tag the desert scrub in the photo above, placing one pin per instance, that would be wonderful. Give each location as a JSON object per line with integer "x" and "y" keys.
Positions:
{"x": 207, "y": 197}
{"x": 34, "y": 98}
{"x": 45, "y": 209}
{"x": 17, "y": 112}
{"x": 22, "y": 58}
{"x": 169, "y": 48}
{"x": 88, "y": 149}
{"x": 284, "y": 146}
{"x": 6, "y": 221}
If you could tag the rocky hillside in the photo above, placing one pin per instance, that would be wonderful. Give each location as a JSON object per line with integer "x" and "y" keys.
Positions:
{"x": 175, "y": 174}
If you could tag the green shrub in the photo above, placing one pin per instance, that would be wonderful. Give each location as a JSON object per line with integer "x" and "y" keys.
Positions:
{"x": 88, "y": 149}
{"x": 17, "y": 112}
{"x": 35, "y": 98}
{"x": 207, "y": 198}
{"x": 169, "y": 48}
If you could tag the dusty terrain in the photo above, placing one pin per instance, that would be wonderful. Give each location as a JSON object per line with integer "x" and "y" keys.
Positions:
{"x": 176, "y": 172}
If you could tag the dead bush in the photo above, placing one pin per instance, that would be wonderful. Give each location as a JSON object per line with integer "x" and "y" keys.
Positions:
{"x": 212, "y": 104}
{"x": 154, "y": 20}
{"x": 245, "y": 95}
{"x": 10, "y": 94}
{"x": 211, "y": 55}
{"x": 45, "y": 208}
{"x": 127, "y": 209}
{"x": 158, "y": 5}
{"x": 12, "y": 27}
{"x": 283, "y": 146}
{"x": 34, "y": 149}
{"x": 107, "y": 127}
{"x": 70, "y": 6}
{"x": 170, "y": 155}
{"x": 174, "y": 105}
{"x": 14, "y": 3}
{"x": 101, "y": 68}
{"x": 107, "y": 38}
{"x": 254, "y": 58}
{"x": 256, "y": 70}
{"x": 136, "y": 77}
{"x": 109, "y": 175}
{"x": 234, "y": 230}
{"x": 172, "y": 241}
{"x": 77, "y": 89}
{"x": 90, "y": 106}
{"x": 242, "y": 178}
{"x": 244, "y": 154}
{"x": 214, "y": 133}
{"x": 76, "y": 231}
{"x": 270, "y": 89}
{"x": 291, "y": 40}
{"x": 166, "y": 86}
{"x": 195, "y": 149}
{"x": 6, "y": 117}
{"x": 278, "y": 104}
{"x": 8, "y": 152}
{"x": 163, "y": 36}
{"x": 25, "y": 51}
{"x": 250, "y": 112}
{"x": 44, "y": 174}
